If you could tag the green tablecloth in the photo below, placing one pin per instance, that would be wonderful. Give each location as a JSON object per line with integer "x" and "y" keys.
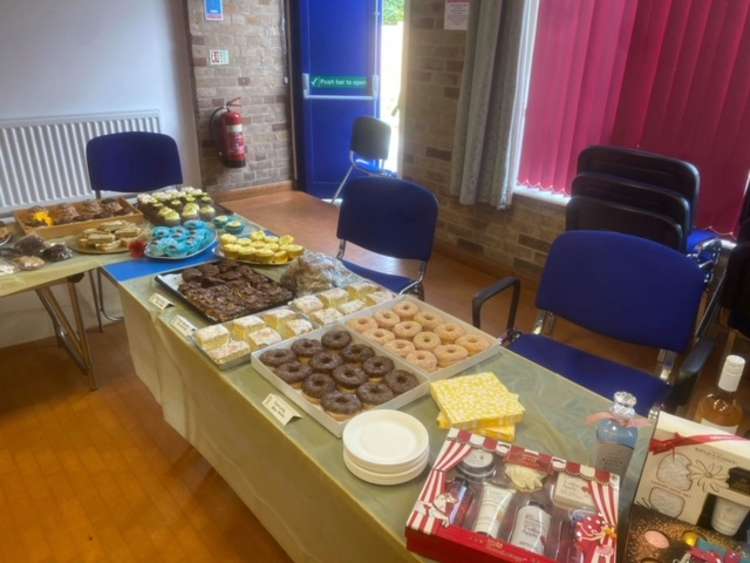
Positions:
{"x": 293, "y": 477}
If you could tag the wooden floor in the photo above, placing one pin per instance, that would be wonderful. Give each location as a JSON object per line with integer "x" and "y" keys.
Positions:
{"x": 100, "y": 477}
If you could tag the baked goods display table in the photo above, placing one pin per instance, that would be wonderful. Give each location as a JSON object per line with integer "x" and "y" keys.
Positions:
{"x": 293, "y": 477}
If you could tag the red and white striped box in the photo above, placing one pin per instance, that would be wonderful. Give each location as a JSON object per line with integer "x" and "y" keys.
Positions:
{"x": 429, "y": 534}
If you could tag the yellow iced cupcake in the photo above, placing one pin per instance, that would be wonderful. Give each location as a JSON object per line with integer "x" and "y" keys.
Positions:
{"x": 258, "y": 244}
{"x": 273, "y": 247}
{"x": 279, "y": 257}
{"x": 246, "y": 253}
{"x": 294, "y": 250}
{"x": 285, "y": 240}
{"x": 263, "y": 255}
{"x": 226, "y": 238}
{"x": 258, "y": 235}
{"x": 230, "y": 250}
{"x": 244, "y": 242}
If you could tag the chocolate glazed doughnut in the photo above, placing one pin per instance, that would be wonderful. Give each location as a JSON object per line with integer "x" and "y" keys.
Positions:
{"x": 341, "y": 405}
{"x": 357, "y": 353}
{"x": 306, "y": 348}
{"x": 336, "y": 339}
{"x": 275, "y": 358}
{"x": 316, "y": 386}
{"x": 401, "y": 381}
{"x": 348, "y": 377}
{"x": 325, "y": 362}
{"x": 373, "y": 394}
{"x": 377, "y": 366}
{"x": 293, "y": 373}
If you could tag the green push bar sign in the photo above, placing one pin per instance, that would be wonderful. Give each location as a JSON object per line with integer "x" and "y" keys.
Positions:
{"x": 338, "y": 82}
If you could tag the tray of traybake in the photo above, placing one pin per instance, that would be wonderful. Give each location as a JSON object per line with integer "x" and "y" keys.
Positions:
{"x": 333, "y": 374}
{"x": 334, "y": 305}
{"x": 225, "y": 290}
{"x": 431, "y": 341}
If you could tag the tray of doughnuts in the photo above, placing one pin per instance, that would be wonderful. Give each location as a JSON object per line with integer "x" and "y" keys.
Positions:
{"x": 431, "y": 341}
{"x": 333, "y": 374}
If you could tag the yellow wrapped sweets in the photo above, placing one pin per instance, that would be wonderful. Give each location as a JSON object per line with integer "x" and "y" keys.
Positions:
{"x": 505, "y": 433}
{"x": 477, "y": 400}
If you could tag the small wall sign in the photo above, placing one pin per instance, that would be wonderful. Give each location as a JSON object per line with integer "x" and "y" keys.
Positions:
{"x": 334, "y": 82}
{"x": 214, "y": 10}
{"x": 456, "y": 15}
{"x": 218, "y": 57}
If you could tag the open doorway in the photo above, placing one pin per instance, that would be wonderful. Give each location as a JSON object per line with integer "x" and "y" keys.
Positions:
{"x": 391, "y": 57}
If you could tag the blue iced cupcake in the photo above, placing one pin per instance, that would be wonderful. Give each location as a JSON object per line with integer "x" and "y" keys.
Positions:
{"x": 220, "y": 221}
{"x": 160, "y": 232}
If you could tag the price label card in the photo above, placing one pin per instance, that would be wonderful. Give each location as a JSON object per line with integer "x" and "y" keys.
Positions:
{"x": 183, "y": 326}
{"x": 280, "y": 409}
{"x": 159, "y": 301}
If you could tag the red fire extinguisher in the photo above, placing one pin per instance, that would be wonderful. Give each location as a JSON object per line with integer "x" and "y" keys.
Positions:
{"x": 226, "y": 131}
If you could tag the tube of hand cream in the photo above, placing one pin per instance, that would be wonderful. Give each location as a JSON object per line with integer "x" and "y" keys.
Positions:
{"x": 492, "y": 506}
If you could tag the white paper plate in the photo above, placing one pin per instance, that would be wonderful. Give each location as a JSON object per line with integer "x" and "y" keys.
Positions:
{"x": 385, "y": 441}
{"x": 382, "y": 479}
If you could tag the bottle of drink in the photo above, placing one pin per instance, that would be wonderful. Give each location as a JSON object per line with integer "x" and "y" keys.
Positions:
{"x": 616, "y": 439}
{"x": 719, "y": 408}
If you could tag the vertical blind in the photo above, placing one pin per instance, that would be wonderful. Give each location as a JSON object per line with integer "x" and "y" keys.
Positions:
{"x": 667, "y": 76}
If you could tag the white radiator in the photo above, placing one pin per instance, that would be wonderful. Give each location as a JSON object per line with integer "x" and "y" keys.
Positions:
{"x": 43, "y": 160}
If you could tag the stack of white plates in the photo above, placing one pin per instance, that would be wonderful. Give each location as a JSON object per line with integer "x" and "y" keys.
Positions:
{"x": 385, "y": 447}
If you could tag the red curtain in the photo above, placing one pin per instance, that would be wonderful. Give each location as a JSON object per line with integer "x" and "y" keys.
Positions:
{"x": 683, "y": 90}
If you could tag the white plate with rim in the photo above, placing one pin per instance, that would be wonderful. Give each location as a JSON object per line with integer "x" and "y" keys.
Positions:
{"x": 385, "y": 441}
{"x": 383, "y": 479}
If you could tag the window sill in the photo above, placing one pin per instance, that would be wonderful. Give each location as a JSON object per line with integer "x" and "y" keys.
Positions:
{"x": 541, "y": 195}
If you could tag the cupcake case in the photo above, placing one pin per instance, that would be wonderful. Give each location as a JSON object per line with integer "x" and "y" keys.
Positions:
{"x": 334, "y": 426}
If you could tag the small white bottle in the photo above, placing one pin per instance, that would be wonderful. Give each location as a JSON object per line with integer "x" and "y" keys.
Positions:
{"x": 531, "y": 528}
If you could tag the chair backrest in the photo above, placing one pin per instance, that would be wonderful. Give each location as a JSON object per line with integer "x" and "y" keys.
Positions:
{"x": 371, "y": 138}
{"x": 133, "y": 162}
{"x": 586, "y": 213}
{"x": 634, "y": 194}
{"x": 735, "y": 295}
{"x": 645, "y": 167}
{"x": 622, "y": 286}
{"x": 389, "y": 216}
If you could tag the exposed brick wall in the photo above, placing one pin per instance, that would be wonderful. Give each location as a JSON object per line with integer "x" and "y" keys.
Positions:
{"x": 516, "y": 239}
{"x": 256, "y": 70}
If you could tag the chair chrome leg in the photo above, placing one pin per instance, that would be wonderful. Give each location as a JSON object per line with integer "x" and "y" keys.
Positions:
{"x": 342, "y": 184}
{"x": 95, "y": 295}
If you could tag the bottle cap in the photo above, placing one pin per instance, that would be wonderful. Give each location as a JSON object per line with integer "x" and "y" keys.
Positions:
{"x": 624, "y": 403}
{"x": 731, "y": 373}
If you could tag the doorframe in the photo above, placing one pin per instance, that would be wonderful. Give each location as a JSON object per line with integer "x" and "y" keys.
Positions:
{"x": 286, "y": 7}
{"x": 404, "y": 83}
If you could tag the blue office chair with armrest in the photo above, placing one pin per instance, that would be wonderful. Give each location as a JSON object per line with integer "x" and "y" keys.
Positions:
{"x": 130, "y": 162}
{"x": 368, "y": 152}
{"x": 391, "y": 217}
{"x": 624, "y": 287}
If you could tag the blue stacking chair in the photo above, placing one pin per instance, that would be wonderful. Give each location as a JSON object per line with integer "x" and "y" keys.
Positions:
{"x": 624, "y": 287}
{"x": 131, "y": 162}
{"x": 368, "y": 152}
{"x": 391, "y": 217}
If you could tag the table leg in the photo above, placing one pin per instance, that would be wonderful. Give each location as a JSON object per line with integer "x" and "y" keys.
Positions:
{"x": 95, "y": 294}
{"x": 75, "y": 341}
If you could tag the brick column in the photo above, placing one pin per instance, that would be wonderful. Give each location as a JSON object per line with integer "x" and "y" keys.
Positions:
{"x": 256, "y": 73}
{"x": 517, "y": 239}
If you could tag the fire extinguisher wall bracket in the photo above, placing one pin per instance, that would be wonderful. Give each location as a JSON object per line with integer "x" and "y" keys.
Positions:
{"x": 225, "y": 125}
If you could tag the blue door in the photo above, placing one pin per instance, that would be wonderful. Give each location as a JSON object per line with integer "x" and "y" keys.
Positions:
{"x": 338, "y": 52}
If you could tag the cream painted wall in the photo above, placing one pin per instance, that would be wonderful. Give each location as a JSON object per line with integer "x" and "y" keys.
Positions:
{"x": 70, "y": 57}
{"x": 99, "y": 56}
